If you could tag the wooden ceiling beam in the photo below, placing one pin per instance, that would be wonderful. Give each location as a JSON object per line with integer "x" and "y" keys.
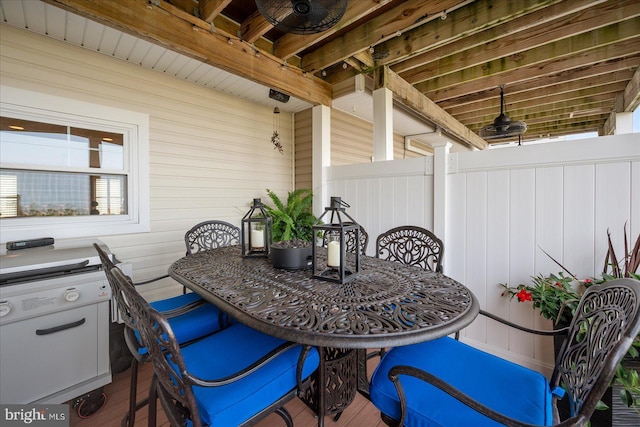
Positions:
{"x": 255, "y": 26}
{"x": 390, "y": 24}
{"x": 627, "y": 101}
{"x": 424, "y": 107}
{"x": 189, "y": 6}
{"x": 551, "y": 113}
{"x": 593, "y": 124}
{"x": 534, "y": 42}
{"x": 510, "y": 71}
{"x": 292, "y": 44}
{"x": 632, "y": 92}
{"x": 579, "y": 48}
{"x": 560, "y": 91}
{"x": 537, "y": 104}
{"x": 147, "y": 21}
{"x": 485, "y": 20}
{"x": 578, "y": 116}
{"x": 563, "y": 123}
{"x": 210, "y": 9}
{"x": 548, "y": 83}
{"x": 366, "y": 58}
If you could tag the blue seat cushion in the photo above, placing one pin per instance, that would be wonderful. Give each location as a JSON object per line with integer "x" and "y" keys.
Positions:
{"x": 503, "y": 386}
{"x": 203, "y": 320}
{"x": 230, "y": 351}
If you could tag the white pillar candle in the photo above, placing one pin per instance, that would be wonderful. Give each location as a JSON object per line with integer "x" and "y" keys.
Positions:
{"x": 333, "y": 254}
{"x": 257, "y": 239}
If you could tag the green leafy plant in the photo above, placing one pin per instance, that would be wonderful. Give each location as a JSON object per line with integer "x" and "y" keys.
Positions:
{"x": 554, "y": 295}
{"x": 557, "y": 297}
{"x": 615, "y": 269}
{"x": 293, "y": 220}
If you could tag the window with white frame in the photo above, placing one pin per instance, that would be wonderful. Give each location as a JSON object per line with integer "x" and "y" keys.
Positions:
{"x": 74, "y": 170}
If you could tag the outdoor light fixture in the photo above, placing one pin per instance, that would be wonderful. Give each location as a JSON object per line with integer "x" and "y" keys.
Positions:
{"x": 256, "y": 231}
{"x": 278, "y": 96}
{"x": 334, "y": 264}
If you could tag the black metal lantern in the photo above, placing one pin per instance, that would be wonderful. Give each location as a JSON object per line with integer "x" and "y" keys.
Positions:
{"x": 256, "y": 231}
{"x": 334, "y": 264}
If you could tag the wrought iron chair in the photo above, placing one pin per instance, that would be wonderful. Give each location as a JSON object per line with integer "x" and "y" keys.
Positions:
{"x": 255, "y": 374}
{"x": 446, "y": 382}
{"x": 351, "y": 241}
{"x": 211, "y": 235}
{"x": 411, "y": 245}
{"x": 191, "y": 318}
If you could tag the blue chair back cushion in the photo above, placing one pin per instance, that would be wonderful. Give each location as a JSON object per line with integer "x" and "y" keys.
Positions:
{"x": 197, "y": 323}
{"x": 230, "y": 351}
{"x": 503, "y": 386}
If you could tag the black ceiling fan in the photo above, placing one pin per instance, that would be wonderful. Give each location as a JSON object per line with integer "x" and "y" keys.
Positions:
{"x": 302, "y": 16}
{"x": 502, "y": 127}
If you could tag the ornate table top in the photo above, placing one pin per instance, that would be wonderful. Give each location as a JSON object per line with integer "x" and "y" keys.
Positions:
{"x": 389, "y": 304}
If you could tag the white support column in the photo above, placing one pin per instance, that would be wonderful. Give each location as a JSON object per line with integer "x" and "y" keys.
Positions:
{"x": 624, "y": 123}
{"x": 382, "y": 125}
{"x": 440, "y": 170}
{"x": 321, "y": 155}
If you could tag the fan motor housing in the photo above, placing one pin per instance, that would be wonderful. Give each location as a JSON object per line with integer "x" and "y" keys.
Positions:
{"x": 301, "y": 7}
{"x": 302, "y": 16}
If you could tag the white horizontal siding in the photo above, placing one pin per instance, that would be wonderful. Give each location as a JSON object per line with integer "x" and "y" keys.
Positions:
{"x": 210, "y": 153}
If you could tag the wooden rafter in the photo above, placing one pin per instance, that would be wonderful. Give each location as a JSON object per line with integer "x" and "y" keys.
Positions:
{"x": 520, "y": 69}
{"x": 155, "y": 24}
{"x": 553, "y": 56}
{"x": 380, "y": 28}
{"x": 557, "y": 101}
{"x": 254, "y": 27}
{"x": 291, "y": 44}
{"x": 482, "y": 21}
{"x": 210, "y": 9}
{"x": 547, "y": 84}
{"x": 532, "y": 45}
{"x": 423, "y": 106}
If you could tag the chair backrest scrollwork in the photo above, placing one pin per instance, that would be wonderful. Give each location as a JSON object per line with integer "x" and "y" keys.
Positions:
{"x": 411, "y": 245}
{"x": 210, "y": 235}
{"x": 605, "y": 323}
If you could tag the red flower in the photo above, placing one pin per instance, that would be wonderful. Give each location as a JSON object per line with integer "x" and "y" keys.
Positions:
{"x": 524, "y": 295}
{"x": 587, "y": 280}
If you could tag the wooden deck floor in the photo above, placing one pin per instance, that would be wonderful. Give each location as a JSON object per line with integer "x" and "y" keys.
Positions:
{"x": 361, "y": 413}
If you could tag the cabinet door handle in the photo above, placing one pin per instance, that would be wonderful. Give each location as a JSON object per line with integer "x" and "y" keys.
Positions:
{"x": 60, "y": 328}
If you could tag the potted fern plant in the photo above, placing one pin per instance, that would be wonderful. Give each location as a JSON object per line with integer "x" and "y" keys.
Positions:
{"x": 293, "y": 223}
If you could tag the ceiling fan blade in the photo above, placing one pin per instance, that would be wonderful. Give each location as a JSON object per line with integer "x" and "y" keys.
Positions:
{"x": 304, "y": 16}
{"x": 318, "y": 13}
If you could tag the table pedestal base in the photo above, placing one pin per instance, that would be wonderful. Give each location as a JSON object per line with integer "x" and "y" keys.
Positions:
{"x": 334, "y": 385}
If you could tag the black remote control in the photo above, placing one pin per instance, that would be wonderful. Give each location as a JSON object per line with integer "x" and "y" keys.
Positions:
{"x": 32, "y": 243}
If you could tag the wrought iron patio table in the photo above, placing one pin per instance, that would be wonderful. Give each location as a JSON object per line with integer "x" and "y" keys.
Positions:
{"x": 389, "y": 304}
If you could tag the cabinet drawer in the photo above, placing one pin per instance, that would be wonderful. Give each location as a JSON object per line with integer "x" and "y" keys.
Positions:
{"x": 46, "y": 354}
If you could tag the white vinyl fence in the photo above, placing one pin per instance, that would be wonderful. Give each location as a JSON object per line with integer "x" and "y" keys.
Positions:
{"x": 502, "y": 209}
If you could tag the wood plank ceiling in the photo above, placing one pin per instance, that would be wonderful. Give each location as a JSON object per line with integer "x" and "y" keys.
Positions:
{"x": 566, "y": 65}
